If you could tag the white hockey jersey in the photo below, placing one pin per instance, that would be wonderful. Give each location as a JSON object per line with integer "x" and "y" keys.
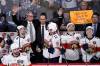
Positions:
{"x": 22, "y": 41}
{"x": 86, "y": 56}
{"x": 10, "y": 59}
{"x": 70, "y": 54}
{"x": 55, "y": 41}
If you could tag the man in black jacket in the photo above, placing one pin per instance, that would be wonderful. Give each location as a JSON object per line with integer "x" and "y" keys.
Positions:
{"x": 40, "y": 35}
{"x": 96, "y": 24}
{"x": 31, "y": 24}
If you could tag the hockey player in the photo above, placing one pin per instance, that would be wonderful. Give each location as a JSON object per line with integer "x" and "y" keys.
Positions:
{"x": 4, "y": 48}
{"x": 23, "y": 40}
{"x": 90, "y": 46}
{"x": 15, "y": 57}
{"x": 1, "y": 46}
{"x": 70, "y": 42}
{"x": 51, "y": 50}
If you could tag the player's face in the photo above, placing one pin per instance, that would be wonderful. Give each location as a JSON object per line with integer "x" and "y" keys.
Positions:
{"x": 42, "y": 19}
{"x": 89, "y": 32}
{"x": 16, "y": 52}
{"x": 71, "y": 28}
{"x": 50, "y": 31}
{"x": 22, "y": 31}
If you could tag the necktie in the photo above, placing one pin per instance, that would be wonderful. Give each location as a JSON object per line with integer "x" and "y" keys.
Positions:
{"x": 31, "y": 32}
{"x": 42, "y": 34}
{"x": 94, "y": 29}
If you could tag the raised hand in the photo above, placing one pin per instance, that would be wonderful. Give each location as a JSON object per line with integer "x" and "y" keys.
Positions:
{"x": 60, "y": 12}
{"x": 15, "y": 9}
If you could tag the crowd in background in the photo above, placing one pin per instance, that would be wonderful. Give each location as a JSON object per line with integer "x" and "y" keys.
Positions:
{"x": 54, "y": 9}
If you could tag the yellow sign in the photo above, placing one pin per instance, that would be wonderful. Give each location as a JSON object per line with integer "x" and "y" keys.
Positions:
{"x": 81, "y": 17}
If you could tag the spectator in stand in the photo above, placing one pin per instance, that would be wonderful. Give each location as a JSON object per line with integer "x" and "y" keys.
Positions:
{"x": 15, "y": 16}
{"x": 58, "y": 17}
{"x": 36, "y": 8}
{"x": 84, "y": 6}
{"x": 6, "y": 26}
{"x": 6, "y": 8}
{"x": 66, "y": 20}
{"x": 82, "y": 27}
{"x": 51, "y": 3}
{"x": 96, "y": 6}
{"x": 67, "y": 4}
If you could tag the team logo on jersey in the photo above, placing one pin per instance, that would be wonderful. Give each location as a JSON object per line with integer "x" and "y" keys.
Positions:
{"x": 55, "y": 36}
{"x": 77, "y": 38}
{"x": 94, "y": 42}
{"x": 20, "y": 61}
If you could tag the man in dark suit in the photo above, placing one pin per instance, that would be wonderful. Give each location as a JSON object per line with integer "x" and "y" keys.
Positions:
{"x": 31, "y": 25}
{"x": 98, "y": 31}
{"x": 40, "y": 35}
{"x": 96, "y": 24}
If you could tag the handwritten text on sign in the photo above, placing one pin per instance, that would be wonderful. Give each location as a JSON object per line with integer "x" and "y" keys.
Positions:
{"x": 81, "y": 17}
